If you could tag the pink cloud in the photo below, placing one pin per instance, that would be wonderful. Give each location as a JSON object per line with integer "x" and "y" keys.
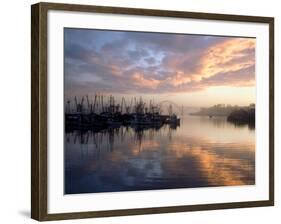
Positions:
{"x": 135, "y": 62}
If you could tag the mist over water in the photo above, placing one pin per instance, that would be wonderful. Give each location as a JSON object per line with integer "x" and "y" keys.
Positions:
{"x": 201, "y": 152}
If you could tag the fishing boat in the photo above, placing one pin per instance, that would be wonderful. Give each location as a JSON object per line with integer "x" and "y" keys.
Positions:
{"x": 173, "y": 119}
{"x": 139, "y": 119}
{"x": 113, "y": 122}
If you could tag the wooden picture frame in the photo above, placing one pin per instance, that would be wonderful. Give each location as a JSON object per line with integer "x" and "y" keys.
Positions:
{"x": 39, "y": 108}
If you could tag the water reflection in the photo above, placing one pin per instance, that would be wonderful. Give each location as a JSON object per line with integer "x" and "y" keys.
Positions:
{"x": 201, "y": 152}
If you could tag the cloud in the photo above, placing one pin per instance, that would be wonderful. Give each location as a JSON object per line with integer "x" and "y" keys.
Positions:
{"x": 150, "y": 83}
{"x": 241, "y": 77}
{"x": 140, "y": 62}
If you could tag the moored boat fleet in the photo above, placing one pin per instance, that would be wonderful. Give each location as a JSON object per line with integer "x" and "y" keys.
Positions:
{"x": 105, "y": 112}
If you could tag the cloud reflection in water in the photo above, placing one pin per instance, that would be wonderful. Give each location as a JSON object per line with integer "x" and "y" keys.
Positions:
{"x": 200, "y": 153}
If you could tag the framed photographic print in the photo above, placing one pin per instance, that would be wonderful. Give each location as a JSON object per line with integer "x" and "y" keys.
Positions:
{"x": 139, "y": 111}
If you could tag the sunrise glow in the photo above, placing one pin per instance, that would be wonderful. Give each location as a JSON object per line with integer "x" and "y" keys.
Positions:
{"x": 191, "y": 70}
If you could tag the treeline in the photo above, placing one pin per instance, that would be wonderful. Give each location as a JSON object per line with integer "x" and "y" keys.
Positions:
{"x": 242, "y": 116}
{"x": 221, "y": 110}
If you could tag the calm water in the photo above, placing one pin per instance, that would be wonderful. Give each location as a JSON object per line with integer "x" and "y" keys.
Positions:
{"x": 201, "y": 152}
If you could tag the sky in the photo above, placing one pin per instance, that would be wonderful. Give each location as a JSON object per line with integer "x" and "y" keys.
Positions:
{"x": 190, "y": 70}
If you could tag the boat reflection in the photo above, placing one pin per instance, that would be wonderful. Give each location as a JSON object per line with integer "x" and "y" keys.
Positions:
{"x": 202, "y": 152}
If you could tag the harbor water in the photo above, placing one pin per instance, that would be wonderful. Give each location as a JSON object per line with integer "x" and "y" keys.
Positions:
{"x": 200, "y": 152}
